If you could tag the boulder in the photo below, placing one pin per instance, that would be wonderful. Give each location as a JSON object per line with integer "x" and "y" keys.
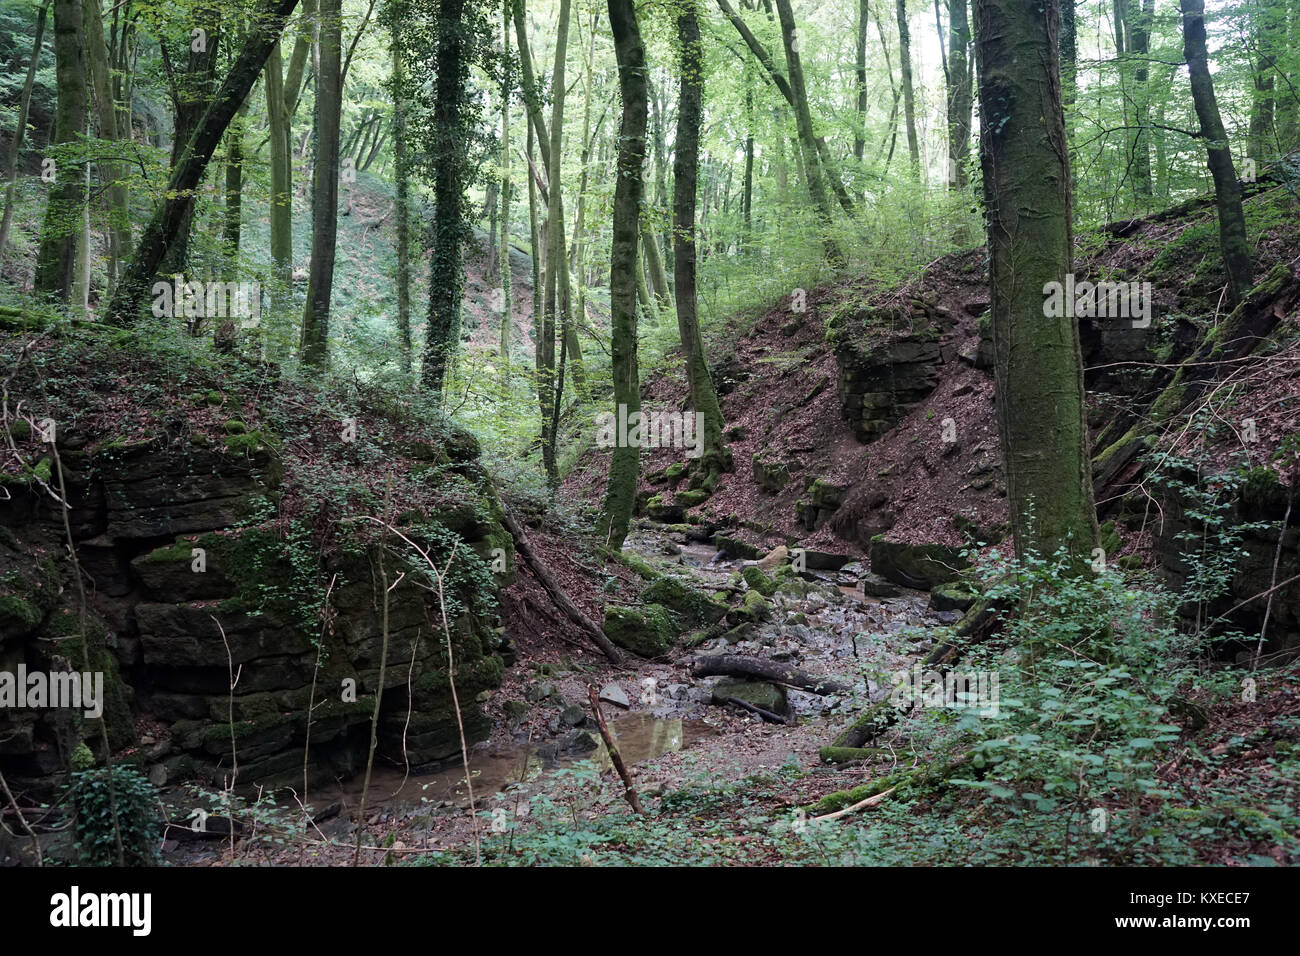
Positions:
{"x": 770, "y": 697}
{"x": 646, "y": 632}
{"x": 919, "y": 566}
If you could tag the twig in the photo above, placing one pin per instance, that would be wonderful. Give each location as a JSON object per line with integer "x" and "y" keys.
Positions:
{"x": 36, "y": 843}
{"x": 871, "y": 801}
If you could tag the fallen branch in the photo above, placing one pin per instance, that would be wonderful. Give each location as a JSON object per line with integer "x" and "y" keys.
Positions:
{"x": 755, "y": 709}
{"x": 629, "y": 791}
{"x": 561, "y": 600}
{"x": 736, "y": 665}
{"x": 860, "y": 805}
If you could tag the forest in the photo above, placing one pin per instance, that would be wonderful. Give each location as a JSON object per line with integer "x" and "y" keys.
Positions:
{"x": 585, "y": 433}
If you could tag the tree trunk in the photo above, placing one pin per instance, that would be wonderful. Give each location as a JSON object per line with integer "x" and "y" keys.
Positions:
{"x": 446, "y": 269}
{"x": 686, "y": 161}
{"x": 503, "y": 269}
{"x": 314, "y": 346}
{"x": 909, "y": 94}
{"x": 119, "y": 213}
{"x": 401, "y": 176}
{"x": 959, "y": 94}
{"x": 1267, "y": 25}
{"x": 1227, "y": 191}
{"x": 1038, "y": 367}
{"x": 56, "y": 259}
{"x": 625, "y": 458}
{"x": 16, "y": 142}
{"x": 281, "y": 206}
{"x": 860, "y": 79}
{"x": 1141, "y": 14}
{"x": 192, "y": 95}
{"x": 803, "y": 122}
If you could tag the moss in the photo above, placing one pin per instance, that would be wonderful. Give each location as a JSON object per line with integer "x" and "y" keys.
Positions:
{"x": 1170, "y": 401}
{"x": 753, "y": 609}
{"x": 250, "y": 442}
{"x": 235, "y": 427}
{"x": 1260, "y": 487}
{"x": 692, "y": 607}
{"x": 689, "y": 499}
{"x": 17, "y": 614}
{"x": 20, "y": 429}
{"x": 647, "y": 631}
{"x": 1101, "y": 457}
{"x": 760, "y": 582}
{"x": 675, "y": 473}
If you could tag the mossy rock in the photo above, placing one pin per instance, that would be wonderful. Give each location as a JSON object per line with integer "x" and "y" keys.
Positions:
{"x": 674, "y": 473}
{"x": 20, "y": 429}
{"x": 659, "y": 509}
{"x": 758, "y": 581}
{"x": 951, "y": 597}
{"x": 646, "y": 631}
{"x": 769, "y": 697}
{"x": 920, "y": 566}
{"x": 30, "y": 591}
{"x": 752, "y": 610}
{"x": 692, "y": 607}
{"x": 689, "y": 499}
{"x": 770, "y": 474}
{"x": 735, "y": 548}
{"x": 236, "y": 427}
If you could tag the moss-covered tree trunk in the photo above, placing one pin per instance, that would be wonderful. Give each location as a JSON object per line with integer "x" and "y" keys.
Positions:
{"x": 56, "y": 259}
{"x": 446, "y": 268}
{"x": 192, "y": 95}
{"x": 1038, "y": 367}
{"x": 1140, "y": 16}
{"x": 625, "y": 459}
{"x": 267, "y": 25}
{"x": 504, "y": 272}
{"x": 401, "y": 174}
{"x": 1227, "y": 191}
{"x": 686, "y": 164}
{"x": 119, "y": 212}
{"x": 16, "y": 141}
{"x": 859, "y": 81}
{"x": 281, "y": 203}
{"x": 314, "y": 346}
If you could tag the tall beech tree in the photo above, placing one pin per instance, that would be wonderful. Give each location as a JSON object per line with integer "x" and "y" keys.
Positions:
{"x": 958, "y": 94}
{"x": 1038, "y": 370}
{"x": 314, "y": 347}
{"x": 909, "y": 91}
{"x": 56, "y": 260}
{"x": 625, "y": 458}
{"x": 686, "y": 163}
{"x": 1218, "y": 154}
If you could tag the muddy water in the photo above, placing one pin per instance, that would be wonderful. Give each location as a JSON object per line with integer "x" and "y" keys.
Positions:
{"x": 640, "y": 737}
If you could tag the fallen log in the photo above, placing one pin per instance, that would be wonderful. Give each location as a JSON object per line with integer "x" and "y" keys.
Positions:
{"x": 561, "y": 600}
{"x": 736, "y": 665}
{"x": 766, "y": 715}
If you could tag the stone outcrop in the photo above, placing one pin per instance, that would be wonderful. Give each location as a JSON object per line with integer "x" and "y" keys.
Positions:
{"x": 192, "y": 576}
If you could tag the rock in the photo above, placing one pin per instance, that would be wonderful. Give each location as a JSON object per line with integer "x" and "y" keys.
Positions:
{"x": 615, "y": 694}
{"x": 660, "y": 510}
{"x": 647, "y": 632}
{"x": 827, "y": 561}
{"x": 735, "y": 548}
{"x": 759, "y": 581}
{"x": 539, "y": 691}
{"x": 770, "y": 474}
{"x": 752, "y": 610}
{"x": 770, "y": 697}
{"x": 579, "y": 742}
{"x": 951, "y": 597}
{"x": 873, "y": 585}
{"x": 920, "y": 566}
{"x": 970, "y": 529}
{"x": 692, "y": 607}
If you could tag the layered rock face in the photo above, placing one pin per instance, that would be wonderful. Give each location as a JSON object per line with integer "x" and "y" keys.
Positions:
{"x": 889, "y": 359}
{"x": 194, "y": 584}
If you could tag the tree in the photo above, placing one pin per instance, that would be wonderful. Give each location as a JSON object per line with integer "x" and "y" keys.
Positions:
{"x": 446, "y": 268}
{"x": 1227, "y": 190}
{"x": 1038, "y": 367}
{"x": 56, "y": 260}
{"x": 119, "y": 213}
{"x": 402, "y": 175}
{"x": 686, "y": 161}
{"x": 909, "y": 93}
{"x": 625, "y": 460}
{"x": 959, "y": 94}
{"x": 16, "y": 142}
{"x": 314, "y": 347}
{"x": 166, "y": 222}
